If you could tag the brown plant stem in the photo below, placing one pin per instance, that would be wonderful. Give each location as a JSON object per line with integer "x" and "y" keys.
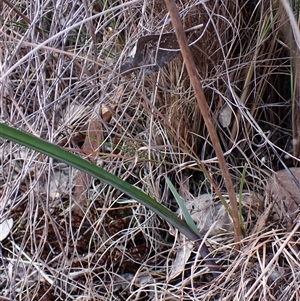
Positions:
{"x": 204, "y": 108}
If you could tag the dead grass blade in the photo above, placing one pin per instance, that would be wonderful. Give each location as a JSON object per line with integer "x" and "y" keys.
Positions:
{"x": 190, "y": 65}
{"x": 91, "y": 144}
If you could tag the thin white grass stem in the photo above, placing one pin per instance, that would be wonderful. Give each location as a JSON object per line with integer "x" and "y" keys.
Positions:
{"x": 268, "y": 268}
{"x": 44, "y": 275}
{"x": 42, "y": 45}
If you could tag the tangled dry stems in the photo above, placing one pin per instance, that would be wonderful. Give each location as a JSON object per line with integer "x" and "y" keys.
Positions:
{"x": 117, "y": 250}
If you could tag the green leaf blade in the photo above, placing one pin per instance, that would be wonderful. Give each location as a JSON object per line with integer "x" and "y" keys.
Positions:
{"x": 190, "y": 222}
{"x": 61, "y": 155}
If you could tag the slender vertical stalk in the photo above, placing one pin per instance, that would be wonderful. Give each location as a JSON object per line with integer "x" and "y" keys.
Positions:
{"x": 191, "y": 68}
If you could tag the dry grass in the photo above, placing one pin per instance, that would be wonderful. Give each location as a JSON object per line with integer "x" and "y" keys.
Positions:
{"x": 59, "y": 72}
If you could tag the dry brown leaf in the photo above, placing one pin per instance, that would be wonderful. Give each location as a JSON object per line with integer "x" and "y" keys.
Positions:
{"x": 182, "y": 256}
{"x": 154, "y": 52}
{"x": 284, "y": 195}
{"x": 107, "y": 112}
{"x": 209, "y": 215}
{"x": 225, "y": 116}
{"x": 91, "y": 145}
{"x": 5, "y": 228}
{"x": 93, "y": 138}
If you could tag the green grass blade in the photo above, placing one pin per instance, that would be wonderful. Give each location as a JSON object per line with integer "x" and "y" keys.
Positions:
{"x": 190, "y": 222}
{"x": 61, "y": 155}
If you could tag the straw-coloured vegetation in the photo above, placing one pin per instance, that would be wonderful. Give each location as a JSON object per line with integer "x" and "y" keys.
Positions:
{"x": 69, "y": 74}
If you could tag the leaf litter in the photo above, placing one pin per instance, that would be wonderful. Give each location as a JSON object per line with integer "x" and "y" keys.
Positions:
{"x": 77, "y": 252}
